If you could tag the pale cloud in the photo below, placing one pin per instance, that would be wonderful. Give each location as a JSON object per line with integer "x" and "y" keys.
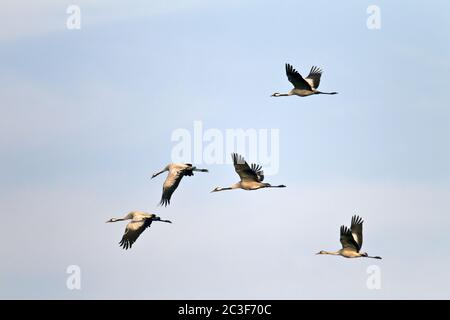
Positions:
{"x": 22, "y": 19}
{"x": 27, "y": 18}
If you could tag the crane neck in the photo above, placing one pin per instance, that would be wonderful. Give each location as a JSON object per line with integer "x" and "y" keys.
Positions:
{"x": 334, "y": 253}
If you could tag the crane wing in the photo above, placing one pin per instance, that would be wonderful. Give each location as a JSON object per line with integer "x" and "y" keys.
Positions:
{"x": 256, "y": 168}
{"x": 176, "y": 173}
{"x": 132, "y": 231}
{"x": 356, "y": 229}
{"x": 313, "y": 78}
{"x": 170, "y": 185}
{"x": 245, "y": 172}
{"x": 296, "y": 79}
{"x": 347, "y": 240}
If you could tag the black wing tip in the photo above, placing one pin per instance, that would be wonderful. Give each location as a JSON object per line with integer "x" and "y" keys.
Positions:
{"x": 258, "y": 170}
{"x": 237, "y": 158}
{"x": 290, "y": 68}
{"x": 164, "y": 202}
{"x": 125, "y": 244}
{"x": 256, "y": 167}
{"x": 316, "y": 69}
{"x": 356, "y": 219}
{"x": 345, "y": 230}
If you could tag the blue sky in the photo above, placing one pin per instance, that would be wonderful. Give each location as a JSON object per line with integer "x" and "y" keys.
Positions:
{"x": 87, "y": 117}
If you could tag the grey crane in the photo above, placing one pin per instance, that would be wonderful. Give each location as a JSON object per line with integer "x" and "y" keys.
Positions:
{"x": 351, "y": 240}
{"x": 176, "y": 172}
{"x": 303, "y": 87}
{"x": 251, "y": 176}
{"x": 139, "y": 222}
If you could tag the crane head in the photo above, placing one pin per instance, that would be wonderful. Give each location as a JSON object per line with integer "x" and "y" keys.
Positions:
{"x": 160, "y": 220}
